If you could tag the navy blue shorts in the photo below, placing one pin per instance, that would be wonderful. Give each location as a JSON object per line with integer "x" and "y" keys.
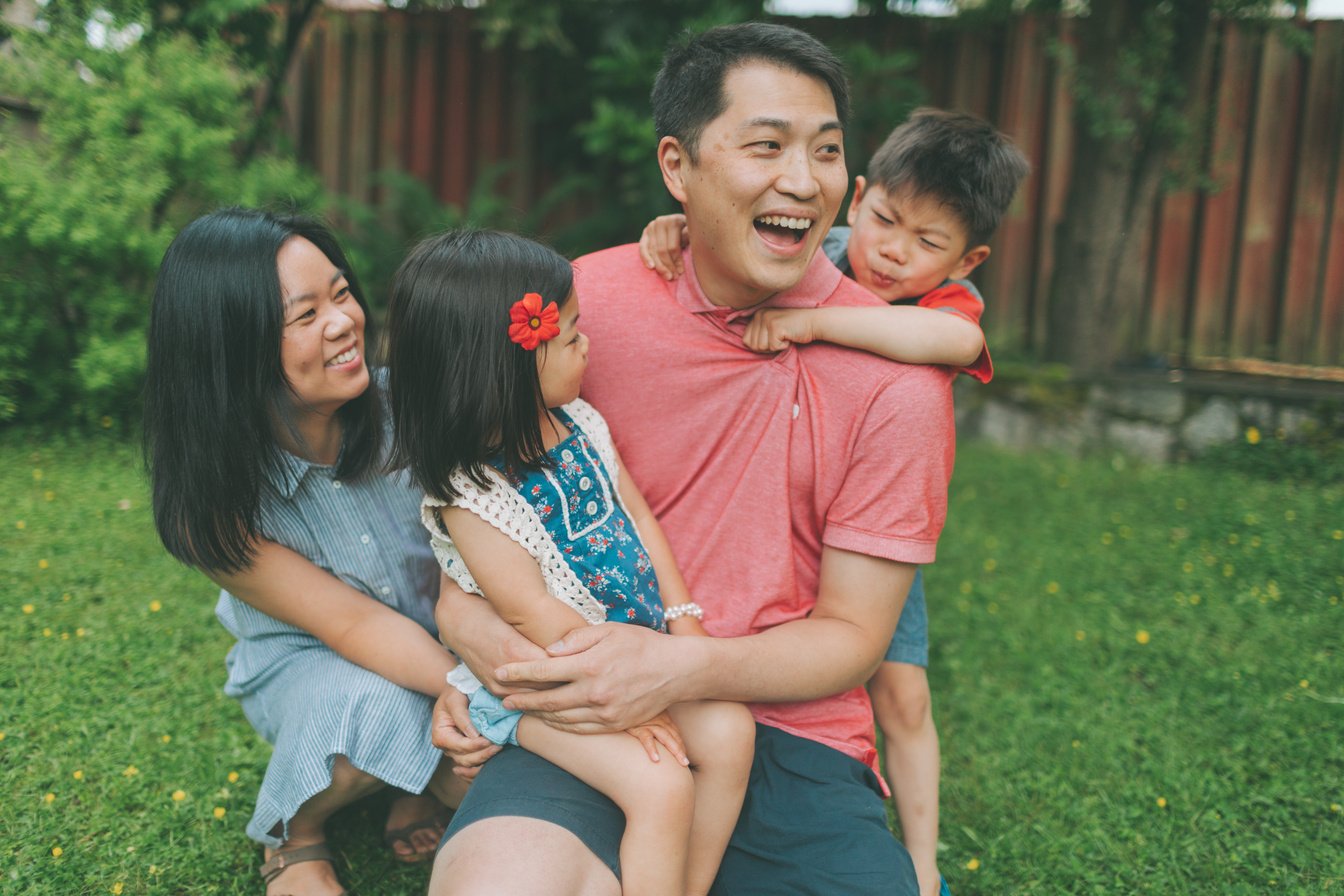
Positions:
{"x": 813, "y": 823}
{"x": 910, "y": 643}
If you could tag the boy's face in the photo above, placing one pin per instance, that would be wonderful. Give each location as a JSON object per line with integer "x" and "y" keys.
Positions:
{"x": 768, "y": 180}
{"x": 903, "y": 245}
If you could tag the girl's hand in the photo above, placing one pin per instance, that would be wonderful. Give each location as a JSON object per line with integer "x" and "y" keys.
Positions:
{"x": 775, "y": 329}
{"x": 453, "y": 733}
{"x": 661, "y": 243}
{"x": 660, "y": 730}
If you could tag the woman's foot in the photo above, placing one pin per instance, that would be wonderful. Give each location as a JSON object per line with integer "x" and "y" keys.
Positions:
{"x": 415, "y": 824}
{"x": 300, "y": 869}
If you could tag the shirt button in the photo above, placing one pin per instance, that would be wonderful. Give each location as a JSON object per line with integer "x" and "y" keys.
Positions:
{"x": 795, "y": 412}
{"x": 591, "y": 508}
{"x": 335, "y": 483}
{"x": 567, "y": 455}
{"x": 364, "y": 538}
{"x": 585, "y": 483}
{"x": 386, "y": 589}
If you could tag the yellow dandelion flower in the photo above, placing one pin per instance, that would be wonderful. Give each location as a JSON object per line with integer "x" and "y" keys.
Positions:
{"x": 1161, "y": 802}
{"x": 2, "y": 735}
{"x": 1052, "y": 588}
{"x": 1080, "y": 635}
{"x": 233, "y": 777}
{"x": 49, "y": 798}
{"x": 220, "y": 812}
{"x": 1187, "y": 566}
{"x": 78, "y": 774}
{"x": 1229, "y": 570}
{"x": 43, "y": 564}
{"x": 130, "y": 772}
{"x": 1253, "y": 435}
{"x": 65, "y": 636}
{"x": 1195, "y": 598}
{"x": 154, "y": 869}
{"x": 37, "y": 475}
{"x": 1107, "y": 538}
{"x": 1304, "y": 684}
{"x": 1181, "y": 503}
{"x": 107, "y": 422}
{"x": 965, "y": 587}
{"x": 1233, "y": 538}
{"x": 990, "y": 564}
{"x": 1336, "y": 807}
{"x": 49, "y": 495}
{"x": 972, "y": 864}
{"x": 65, "y": 596}
{"x": 28, "y": 609}
{"x": 166, "y": 738}
{"x": 1077, "y": 743}
{"x": 179, "y": 795}
{"x": 155, "y": 606}
{"x": 57, "y": 852}
{"x": 46, "y": 633}
{"x": 117, "y": 888}
{"x": 1337, "y": 535}
{"x": 993, "y": 608}
{"x": 20, "y": 525}
{"x": 79, "y": 633}
{"x": 1142, "y": 636}
{"x": 1290, "y": 515}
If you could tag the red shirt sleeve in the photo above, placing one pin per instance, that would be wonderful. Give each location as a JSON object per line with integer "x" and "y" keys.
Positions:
{"x": 957, "y": 299}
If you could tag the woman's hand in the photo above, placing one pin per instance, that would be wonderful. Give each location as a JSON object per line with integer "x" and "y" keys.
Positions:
{"x": 660, "y": 730}
{"x": 453, "y": 733}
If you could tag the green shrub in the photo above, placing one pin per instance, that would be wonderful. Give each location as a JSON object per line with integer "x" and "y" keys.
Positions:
{"x": 131, "y": 144}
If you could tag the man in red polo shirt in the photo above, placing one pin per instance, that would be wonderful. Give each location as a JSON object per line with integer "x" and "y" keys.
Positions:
{"x": 799, "y": 492}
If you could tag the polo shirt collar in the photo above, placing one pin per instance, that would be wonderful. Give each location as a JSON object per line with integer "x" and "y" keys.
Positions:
{"x": 819, "y": 281}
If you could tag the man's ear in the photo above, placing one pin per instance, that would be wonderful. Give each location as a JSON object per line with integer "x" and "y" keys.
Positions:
{"x": 969, "y": 262}
{"x": 673, "y": 161}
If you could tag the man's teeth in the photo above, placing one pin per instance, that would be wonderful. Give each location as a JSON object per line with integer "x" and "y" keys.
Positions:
{"x": 781, "y": 221}
{"x": 344, "y": 357}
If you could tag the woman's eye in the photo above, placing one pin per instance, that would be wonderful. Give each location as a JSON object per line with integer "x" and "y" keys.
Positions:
{"x": 343, "y": 293}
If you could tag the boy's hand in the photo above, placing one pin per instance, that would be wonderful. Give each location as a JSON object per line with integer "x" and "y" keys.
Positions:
{"x": 661, "y": 243}
{"x": 774, "y": 329}
{"x": 660, "y": 730}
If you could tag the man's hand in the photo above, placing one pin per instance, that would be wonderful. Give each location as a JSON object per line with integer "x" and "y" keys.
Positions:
{"x": 608, "y": 677}
{"x": 452, "y": 732}
{"x": 660, "y": 730}
{"x": 775, "y": 329}
{"x": 661, "y": 243}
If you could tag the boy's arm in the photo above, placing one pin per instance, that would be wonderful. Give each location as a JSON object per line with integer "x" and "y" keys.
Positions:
{"x": 908, "y": 333}
{"x": 510, "y": 578}
{"x": 661, "y": 243}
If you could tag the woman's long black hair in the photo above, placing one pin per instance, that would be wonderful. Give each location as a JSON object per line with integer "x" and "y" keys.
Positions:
{"x": 461, "y": 390}
{"x": 215, "y": 390}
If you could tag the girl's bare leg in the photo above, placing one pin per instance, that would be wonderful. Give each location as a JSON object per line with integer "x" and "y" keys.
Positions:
{"x": 658, "y": 799}
{"x": 720, "y": 740}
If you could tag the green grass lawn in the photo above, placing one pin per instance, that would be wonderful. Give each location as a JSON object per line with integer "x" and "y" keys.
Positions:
{"x": 1136, "y": 674}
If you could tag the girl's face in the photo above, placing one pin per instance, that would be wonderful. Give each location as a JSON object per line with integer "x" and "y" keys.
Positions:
{"x": 562, "y": 361}
{"x": 322, "y": 343}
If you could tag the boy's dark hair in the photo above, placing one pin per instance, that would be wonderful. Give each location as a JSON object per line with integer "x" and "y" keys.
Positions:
{"x": 688, "y": 92}
{"x": 461, "y": 391}
{"x": 958, "y": 159}
{"x": 216, "y": 395}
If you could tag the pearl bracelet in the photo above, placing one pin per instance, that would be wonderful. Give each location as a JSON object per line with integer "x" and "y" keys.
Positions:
{"x": 692, "y": 610}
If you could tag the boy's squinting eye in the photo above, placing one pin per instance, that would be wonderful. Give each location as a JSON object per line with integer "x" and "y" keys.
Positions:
{"x": 883, "y": 218}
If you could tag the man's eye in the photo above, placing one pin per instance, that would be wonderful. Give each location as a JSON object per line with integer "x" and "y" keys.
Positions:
{"x": 772, "y": 145}
{"x": 831, "y": 149}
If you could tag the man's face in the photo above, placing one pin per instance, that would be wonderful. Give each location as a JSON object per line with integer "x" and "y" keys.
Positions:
{"x": 766, "y": 186}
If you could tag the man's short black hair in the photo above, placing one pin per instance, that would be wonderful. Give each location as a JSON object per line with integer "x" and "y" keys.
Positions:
{"x": 957, "y": 159}
{"x": 688, "y": 92}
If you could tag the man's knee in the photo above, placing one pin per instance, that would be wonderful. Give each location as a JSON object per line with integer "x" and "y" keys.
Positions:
{"x": 510, "y": 854}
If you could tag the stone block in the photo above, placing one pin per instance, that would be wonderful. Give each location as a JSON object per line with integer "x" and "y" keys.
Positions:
{"x": 1152, "y": 442}
{"x": 1159, "y": 403}
{"x": 1215, "y": 423}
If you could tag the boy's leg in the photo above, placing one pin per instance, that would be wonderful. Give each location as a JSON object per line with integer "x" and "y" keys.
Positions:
{"x": 658, "y": 799}
{"x": 903, "y": 709}
{"x": 720, "y": 739}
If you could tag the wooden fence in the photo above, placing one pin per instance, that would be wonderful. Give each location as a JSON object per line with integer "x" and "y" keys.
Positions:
{"x": 1243, "y": 272}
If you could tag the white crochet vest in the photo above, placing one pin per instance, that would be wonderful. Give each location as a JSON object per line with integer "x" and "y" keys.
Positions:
{"x": 509, "y": 512}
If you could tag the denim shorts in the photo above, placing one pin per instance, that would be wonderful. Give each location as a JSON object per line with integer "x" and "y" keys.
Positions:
{"x": 910, "y": 644}
{"x": 813, "y": 823}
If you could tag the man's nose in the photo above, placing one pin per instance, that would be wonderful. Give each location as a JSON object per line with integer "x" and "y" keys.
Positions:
{"x": 798, "y": 179}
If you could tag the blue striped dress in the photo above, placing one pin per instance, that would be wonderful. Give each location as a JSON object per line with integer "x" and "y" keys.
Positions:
{"x": 303, "y": 698}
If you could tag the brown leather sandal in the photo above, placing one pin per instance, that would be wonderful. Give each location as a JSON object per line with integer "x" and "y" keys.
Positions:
{"x": 439, "y": 820}
{"x": 283, "y": 858}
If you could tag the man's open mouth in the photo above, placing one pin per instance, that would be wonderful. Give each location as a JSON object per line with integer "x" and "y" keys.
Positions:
{"x": 780, "y": 230}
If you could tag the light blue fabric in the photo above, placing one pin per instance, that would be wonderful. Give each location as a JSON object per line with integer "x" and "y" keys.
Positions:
{"x": 308, "y": 702}
{"x": 492, "y": 720}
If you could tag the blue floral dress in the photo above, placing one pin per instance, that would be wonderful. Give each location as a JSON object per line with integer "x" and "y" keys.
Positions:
{"x": 582, "y": 525}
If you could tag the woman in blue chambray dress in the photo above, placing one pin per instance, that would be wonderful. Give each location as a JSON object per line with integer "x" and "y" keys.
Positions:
{"x": 266, "y": 434}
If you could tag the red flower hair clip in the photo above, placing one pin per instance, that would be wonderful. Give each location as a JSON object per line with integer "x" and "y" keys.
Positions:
{"x": 530, "y": 324}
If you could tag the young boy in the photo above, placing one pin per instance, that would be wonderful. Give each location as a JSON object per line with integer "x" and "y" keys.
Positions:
{"x": 919, "y": 223}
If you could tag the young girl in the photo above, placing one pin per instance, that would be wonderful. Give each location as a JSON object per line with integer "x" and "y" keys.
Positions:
{"x": 529, "y": 505}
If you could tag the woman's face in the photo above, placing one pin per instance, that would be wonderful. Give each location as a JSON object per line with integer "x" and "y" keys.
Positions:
{"x": 562, "y": 360}
{"x": 322, "y": 343}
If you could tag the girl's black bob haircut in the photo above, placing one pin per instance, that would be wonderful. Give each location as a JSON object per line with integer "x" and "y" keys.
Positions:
{"x": 461, "y": 391}
{"x": 216, "y": 395}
